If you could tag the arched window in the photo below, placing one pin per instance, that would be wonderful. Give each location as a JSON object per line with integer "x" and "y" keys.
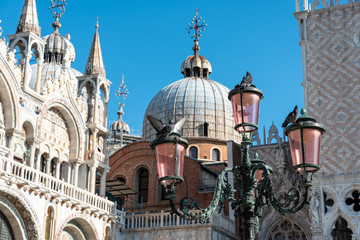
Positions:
{"x": 52, "y": 167}
{"x": 143, "y": 185}
{"x": 6, "y": 231}
{"x": 193, "y": 152}
{"x": 341, "y": 231}
{"x": 43, "y": 163}
{"x": 215, "y": 154}
{"x": 121, "y": 179}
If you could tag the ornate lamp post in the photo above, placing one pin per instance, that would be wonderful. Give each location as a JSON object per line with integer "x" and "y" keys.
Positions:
{"x": 253, "y": 176}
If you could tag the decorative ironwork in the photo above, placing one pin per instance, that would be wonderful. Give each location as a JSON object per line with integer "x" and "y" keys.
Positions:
{"x": 121, "y": 92}
{"x": 254, "y": 194}
{"x": 57, "y": 8}
{"x": 252, "y": 182}
{"x": 194, "y": 25}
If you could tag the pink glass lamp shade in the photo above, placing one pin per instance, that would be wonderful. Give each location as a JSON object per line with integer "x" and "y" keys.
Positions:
{"x": 246, "y": 106}
{"x": 169, "y": 154}
{"x": 304, "y": 138}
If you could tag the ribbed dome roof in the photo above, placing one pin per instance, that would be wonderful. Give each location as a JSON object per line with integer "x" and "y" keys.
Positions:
{"x": 57, "y": 47}
{"x": 202, "y": 101}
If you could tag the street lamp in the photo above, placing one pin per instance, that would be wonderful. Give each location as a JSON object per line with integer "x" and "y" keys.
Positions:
{"x": 253, "y": 175}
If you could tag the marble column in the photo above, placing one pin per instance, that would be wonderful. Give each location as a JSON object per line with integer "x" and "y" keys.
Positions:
{"x": 75, "y": 174}
{"x": 103, "y": 183}
{"x": 92, "y": 178}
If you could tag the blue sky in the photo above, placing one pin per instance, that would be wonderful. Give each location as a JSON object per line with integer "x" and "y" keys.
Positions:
{"x": 146, "y": 41}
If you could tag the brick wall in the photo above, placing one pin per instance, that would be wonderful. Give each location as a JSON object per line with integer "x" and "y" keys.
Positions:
{"x": 333, "y": 84}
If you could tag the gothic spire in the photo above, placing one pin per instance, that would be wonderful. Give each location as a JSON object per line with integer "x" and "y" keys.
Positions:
{"x": 29, "y": 19}
{"x": 95, "y": 63}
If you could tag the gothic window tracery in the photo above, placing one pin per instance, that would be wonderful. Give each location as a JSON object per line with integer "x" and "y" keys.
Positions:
{"x": 354, "y": 201}
{"x": 328, "y": 202}
{"x": 341, "y": 230}
{"x": 287, "y": 230}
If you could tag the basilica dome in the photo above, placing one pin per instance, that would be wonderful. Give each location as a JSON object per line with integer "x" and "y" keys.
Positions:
{"x": 59, "y": 53}
{"x": 203, "y": 101}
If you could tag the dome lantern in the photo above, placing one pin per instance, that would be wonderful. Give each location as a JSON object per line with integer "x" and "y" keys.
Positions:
{"x": 195, "y": 65}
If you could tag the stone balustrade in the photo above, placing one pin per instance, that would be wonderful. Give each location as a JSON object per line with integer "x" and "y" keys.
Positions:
{"x": 166, "y": 219}
{"x": 310, "y": 5}
{"x": 41, "y": 183}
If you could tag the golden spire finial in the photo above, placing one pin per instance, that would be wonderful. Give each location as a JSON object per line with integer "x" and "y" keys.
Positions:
{"x": 57, "y": 9}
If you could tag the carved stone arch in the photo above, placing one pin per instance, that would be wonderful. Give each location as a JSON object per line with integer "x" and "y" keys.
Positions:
{"x": 44, "y": 148}
{"x": 266, "y": 231}
{"x": 84, "y": 221}
{"x": 28, "y": 126}
{"x": 83, "y": 84}
{"x": 24, "y": 209}
{"x": 105, "y": 88}
{"x": 330, "y": 223}
{"x": 54, "y": 153}
{"x": 71, "y": 118}
{"x": 38, "y": 48}
{"x": 9, "y": 99}
{"x": 15, "y": 43}
{"x": 64, "y": 157}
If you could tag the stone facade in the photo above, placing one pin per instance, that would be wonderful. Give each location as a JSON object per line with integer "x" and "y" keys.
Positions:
{"x": 52, "y": 138}
{"x": 329, "y": 37}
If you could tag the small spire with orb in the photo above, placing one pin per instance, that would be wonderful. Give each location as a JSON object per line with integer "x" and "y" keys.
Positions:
{"x": 198, "y": 25}
{"x": 57, "y": 9}
{"x": 97, "y": 24}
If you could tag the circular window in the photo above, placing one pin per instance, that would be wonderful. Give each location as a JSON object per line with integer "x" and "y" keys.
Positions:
{"x": 287, "y": 230}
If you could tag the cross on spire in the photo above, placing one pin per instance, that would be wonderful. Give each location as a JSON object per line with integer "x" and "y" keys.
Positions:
{"x": 60, "y": 8}
{"x": 122, "y": 93}
{"x": 194, "y": 25}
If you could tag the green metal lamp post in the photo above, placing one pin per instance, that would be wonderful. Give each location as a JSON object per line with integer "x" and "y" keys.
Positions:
{"x": 253, "y": 176}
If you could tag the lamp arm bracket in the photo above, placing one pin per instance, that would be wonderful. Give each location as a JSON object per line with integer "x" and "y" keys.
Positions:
{"x": 291, "y": 202}
{"x": 223, "y": 191}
